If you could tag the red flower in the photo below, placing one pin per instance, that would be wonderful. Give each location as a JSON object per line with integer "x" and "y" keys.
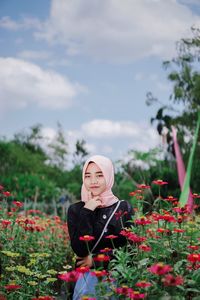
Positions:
{"x": 136, "y": 295}
{"x": 43, "y": 298}
{"x": 195, "y": 196}
{"x": 120, "y": 214}
{"x": 86, "y": 238}
{"x": 143, "y": 284}
{"x": 101, "y": 257}
{"x": 170, "y": 199}
{"x": 83, "y": 269}
{"x": 170, "y": 280}
{"x": 132, "y": 193}
{"x": 193, "y": 257}
{"x": 18, "y": 203}
{"x": 143, "y": 186}
{"x": 99, "y": 273}
{"x": 160, "y": 269}
{"x": 111, "y": 236}
{"x": 69, "y": 276}
{"x": 1, "y": 187}
{"x": 142, "y": 221}
{"x": 12, "y": 287}
{"x": 193, "y": 247}
{"x": 106, "y": 250}
{"x": 7, "y": 194}
{"x": 123, "y": 290}
{"x": 133, "y": 237}
{"x": 180, "y": 210}
{"x": 145, "y": 248}
{"x": 161, "y": 230}
{"x": 160, "y": 182}
{"x": 178, "y": 230}
{"x": 6, "y": 223}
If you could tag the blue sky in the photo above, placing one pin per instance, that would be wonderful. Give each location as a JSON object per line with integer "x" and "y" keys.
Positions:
{"x": 88, "y": 64}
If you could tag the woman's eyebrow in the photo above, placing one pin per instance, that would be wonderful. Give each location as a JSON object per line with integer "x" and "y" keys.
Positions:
{"x": 98, "y": 172}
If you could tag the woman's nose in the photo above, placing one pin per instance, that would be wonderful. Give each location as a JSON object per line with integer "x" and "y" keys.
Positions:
{"x": 94, "y": 179}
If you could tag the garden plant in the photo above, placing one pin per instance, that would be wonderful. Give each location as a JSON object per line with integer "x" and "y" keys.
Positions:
{"x": 160, "y": 261}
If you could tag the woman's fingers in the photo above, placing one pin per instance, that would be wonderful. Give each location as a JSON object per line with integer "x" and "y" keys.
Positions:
{"x": 80, "y": 262}
{"x": 89, "y": 195}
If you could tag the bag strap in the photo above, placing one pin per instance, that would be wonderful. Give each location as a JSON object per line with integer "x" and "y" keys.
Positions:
{"x": 105, "y": 227}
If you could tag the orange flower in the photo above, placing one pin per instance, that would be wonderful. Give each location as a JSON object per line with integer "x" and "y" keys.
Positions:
{"x": 99, "y": 273}
{"x": 82, "y": 269}
{"x": 101, "y": 257}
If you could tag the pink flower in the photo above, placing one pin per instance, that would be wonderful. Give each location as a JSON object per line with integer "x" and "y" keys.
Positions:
{"x": 143, "y": 186}
{"x": 160, "y": 182}
{"x": 145, "y": 248}
{"x": 195, "y": 196}
{"x": 86, "y": 238}
{"x": 7, "y": 194}
{"x": 142, "y": 221}
{"x": 5, "y": 223}
{"x": 143, "y": 284}
{"x": 170, "y": 199}
{"x": 69, "y": 276}
{"x": 160, "y": 269}
{"x": 106, "y": 250}
{"x": 111, "y": 236}
{"x": 193, "y": 247}
{"x": 170, "y": 280}
{"x": 18, "y": 203}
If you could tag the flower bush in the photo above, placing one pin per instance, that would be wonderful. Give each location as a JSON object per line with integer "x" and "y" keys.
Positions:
{"x": 160, "y": 261}
{"x": 34, "y": 249}
{"x": 162, "y": 257}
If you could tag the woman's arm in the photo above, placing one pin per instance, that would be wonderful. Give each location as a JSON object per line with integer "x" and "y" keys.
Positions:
{"x": 80, "y": 220}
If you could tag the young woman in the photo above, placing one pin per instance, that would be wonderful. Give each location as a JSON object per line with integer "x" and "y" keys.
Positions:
{"x": 98, "y": 207}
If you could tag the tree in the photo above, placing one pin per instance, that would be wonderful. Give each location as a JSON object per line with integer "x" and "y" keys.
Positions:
{"x": 185, "y": 77}
{"x": 80, "y": 152}
{"x": 59, "y": 149}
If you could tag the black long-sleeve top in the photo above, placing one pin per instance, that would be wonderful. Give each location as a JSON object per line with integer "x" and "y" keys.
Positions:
{"x": 83, "y": 221}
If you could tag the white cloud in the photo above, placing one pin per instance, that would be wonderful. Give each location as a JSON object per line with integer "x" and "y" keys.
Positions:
{"x": 24, "y": 24}
{"x": 23, "y": 83}
{"x": 107, "y": 128}
{"x": 143, "y": 136}
{"x": 34, "y": 55}
{"x": 118, "y": 31}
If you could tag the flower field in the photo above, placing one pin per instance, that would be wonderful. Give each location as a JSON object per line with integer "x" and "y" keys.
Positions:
{"x": 161, "y": 259}
{"x": 34, "y": 250}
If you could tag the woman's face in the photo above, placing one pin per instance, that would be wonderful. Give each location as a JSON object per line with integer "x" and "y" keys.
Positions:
{"x": 94, "y": 179}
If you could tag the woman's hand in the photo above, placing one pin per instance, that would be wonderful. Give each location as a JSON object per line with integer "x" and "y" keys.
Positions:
{"x": 93, "y": 202}
{"x": 86, "y": 261}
